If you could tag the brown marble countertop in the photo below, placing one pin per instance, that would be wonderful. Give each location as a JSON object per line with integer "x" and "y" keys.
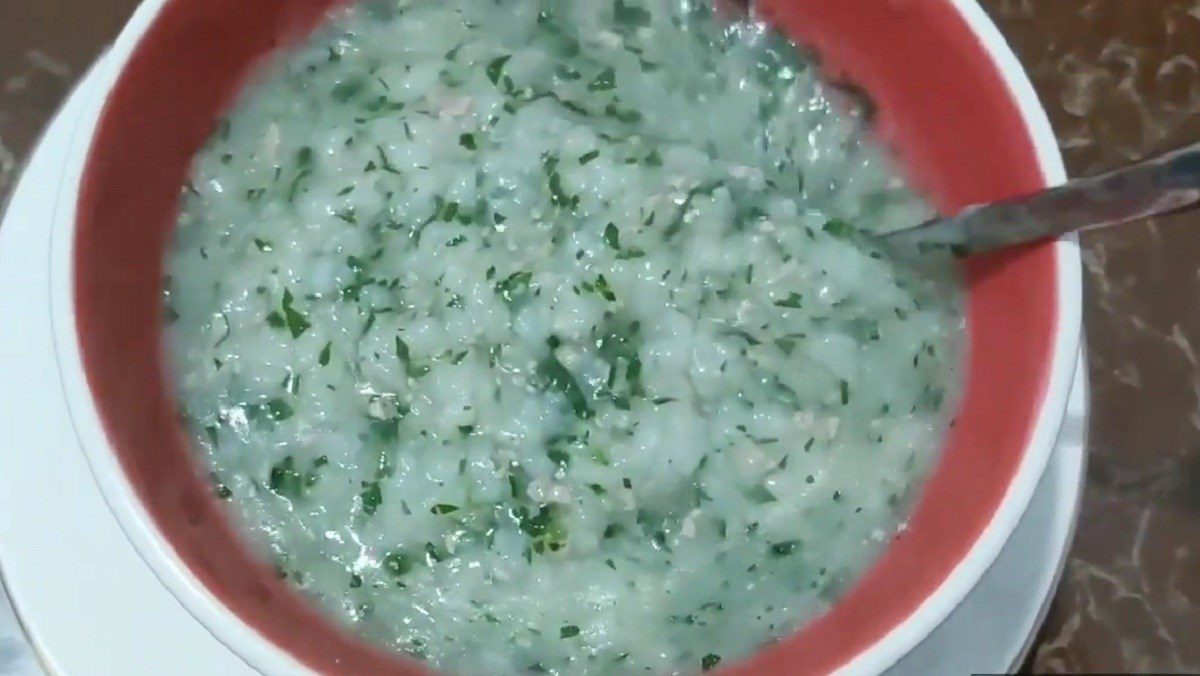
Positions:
{"x": 1121, "y": 78}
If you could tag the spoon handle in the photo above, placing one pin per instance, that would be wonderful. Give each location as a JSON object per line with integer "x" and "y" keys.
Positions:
{"x": 1157, "y": 186}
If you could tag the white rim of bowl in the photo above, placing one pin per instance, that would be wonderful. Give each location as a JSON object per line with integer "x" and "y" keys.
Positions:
{"x": 262, "y": 654}
{"x": 1069, "y": 286}
{"x": 225, "y": 626}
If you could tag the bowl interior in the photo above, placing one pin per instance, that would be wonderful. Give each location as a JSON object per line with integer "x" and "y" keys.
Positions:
{"x": 942, "y": 103}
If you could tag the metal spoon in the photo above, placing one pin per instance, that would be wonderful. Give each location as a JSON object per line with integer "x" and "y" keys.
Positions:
{"x": 1155, "y": 187}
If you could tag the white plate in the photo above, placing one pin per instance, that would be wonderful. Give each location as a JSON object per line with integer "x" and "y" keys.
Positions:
{"x": 993, "y": 628}
{"x": 90, "y": 605}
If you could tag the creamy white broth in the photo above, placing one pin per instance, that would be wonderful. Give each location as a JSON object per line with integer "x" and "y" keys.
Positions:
{"x": 545, "y": 337}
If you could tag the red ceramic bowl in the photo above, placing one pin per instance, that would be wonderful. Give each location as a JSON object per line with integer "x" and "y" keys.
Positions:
{"x": 952, "y": 101}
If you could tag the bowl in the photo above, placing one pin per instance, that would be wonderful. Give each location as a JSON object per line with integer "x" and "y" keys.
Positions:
{"x": 951, "y": 100}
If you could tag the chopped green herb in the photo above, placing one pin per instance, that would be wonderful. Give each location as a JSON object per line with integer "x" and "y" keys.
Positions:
{"x": 545, "y": 532}
{"x": 496, "y": 68}
{"x": 380, "y": 107}
{"x": 794, "y": 300}
{"x": 633, "y": 374}
{"x": 295, "y": 321}
{"x": 705, "y": 189}
{"x": 468, "y": 141}
{"x": 222, "y": 491}
{"x": 605, "y": 81}
{"x": 291, "y": 382}
{"x": 515, "y": 486}
{"x": 442, "y": 508}
{"x": 627, "y": 116}
{"x": 612, "y": 236}
{"x": 760, "y": 495}
{"x": 371, "y": 496}
{"x": 515, "y": 285}
{"x": 433, "y": 555}
{"x": 294, "y": 189}
{"x": 709, "y": 661}
{"x": 554, "y": 376}
{"x": 347, "y": 89}
{"x": 559, "y": 457}
{"x": 279, "y": 410}
{"x": 396, "y": 563}
{"x": 323, "y": 358}
{"x": 568, "y": 631}
{"x": 839, "y": 228}
{"x": 786, "y": 345}
{"x": 784, "y": 548}
{"x": 630, "y": 15}
{"x": 213, "y": 438}
{"x": 385, "y": 161}
{"x": 744, "y": 335}
{"x": 285, "y": 480}
{"x": 601, "y": 287}
{"x": 447, "y": 211}
{"x": 558, "y": 196}
{"x": 412, "y": 369}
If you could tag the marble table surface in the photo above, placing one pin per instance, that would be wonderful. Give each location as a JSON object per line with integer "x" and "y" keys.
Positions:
{"x": 1121, "y": 78}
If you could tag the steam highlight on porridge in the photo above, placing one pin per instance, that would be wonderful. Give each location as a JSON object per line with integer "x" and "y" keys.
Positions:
{"x": 544, "y": 336}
